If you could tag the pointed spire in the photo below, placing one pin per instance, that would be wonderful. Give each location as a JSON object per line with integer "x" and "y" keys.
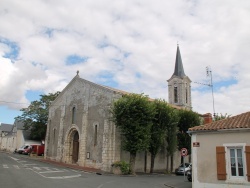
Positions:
{"x": 178, "y": 71}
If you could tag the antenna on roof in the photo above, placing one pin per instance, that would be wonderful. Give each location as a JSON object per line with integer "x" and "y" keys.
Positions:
{"x": 209, "y": 75}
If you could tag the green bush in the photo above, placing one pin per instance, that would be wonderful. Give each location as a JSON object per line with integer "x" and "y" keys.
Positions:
{"x": 124, "y": 166}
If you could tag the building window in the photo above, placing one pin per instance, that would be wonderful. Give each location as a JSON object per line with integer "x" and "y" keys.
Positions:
{"x": 186, "y": 88}
{"x": 236, "y": 162}
{"x": 54, "y": 135}
{"x": 95, "y": 136}
{"x": 74, "y": 115}
{"x": 175, "y": 94}
{"x": 233, "y": 162}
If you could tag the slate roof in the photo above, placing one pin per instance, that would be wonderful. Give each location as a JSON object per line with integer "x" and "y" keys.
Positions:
{"x": 6, "y": 127}
{"x": 19, "y": 125}
{"x": 106, "y": 87}
{"x": 241, "y": 121}
{"x": 179, "y": 70}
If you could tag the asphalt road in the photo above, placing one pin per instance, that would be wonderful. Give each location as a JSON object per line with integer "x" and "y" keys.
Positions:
{"x": 17, "y": 171}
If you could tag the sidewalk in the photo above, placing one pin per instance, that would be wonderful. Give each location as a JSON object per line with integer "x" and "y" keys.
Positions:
{"x": 72, "y": 166}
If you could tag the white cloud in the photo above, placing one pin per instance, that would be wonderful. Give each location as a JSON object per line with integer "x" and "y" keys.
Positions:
{"x": 134, "y": 40}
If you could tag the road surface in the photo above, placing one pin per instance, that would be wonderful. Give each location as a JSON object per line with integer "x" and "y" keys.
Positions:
{"x": 18, "y": 171}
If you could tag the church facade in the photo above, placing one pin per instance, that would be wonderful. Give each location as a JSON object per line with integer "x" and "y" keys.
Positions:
{"x": 80, "y": 130}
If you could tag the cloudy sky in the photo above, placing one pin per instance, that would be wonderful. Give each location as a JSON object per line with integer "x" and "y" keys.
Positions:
{"x": 126, "y": 44}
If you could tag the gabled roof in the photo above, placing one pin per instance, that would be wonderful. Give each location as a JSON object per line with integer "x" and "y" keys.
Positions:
{"x": 241, "y": 121}
{"x": 19, "y": 125}
{"x": 179, "y": 70}
{"x": 6, "y": 127}
{"x": 121, "y": 92}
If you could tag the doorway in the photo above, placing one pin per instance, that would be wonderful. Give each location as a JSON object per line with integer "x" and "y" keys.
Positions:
{"x": 75, "y": 150}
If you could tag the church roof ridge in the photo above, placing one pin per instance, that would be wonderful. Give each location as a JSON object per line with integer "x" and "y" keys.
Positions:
{"x": 122, "y": 92}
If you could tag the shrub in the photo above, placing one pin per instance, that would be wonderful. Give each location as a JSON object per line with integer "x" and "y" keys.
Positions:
{"x": 124, "y": 166}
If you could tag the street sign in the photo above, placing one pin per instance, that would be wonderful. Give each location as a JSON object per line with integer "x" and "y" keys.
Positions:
{"x": 184, "y": 152}
{"x": 196, "y": 144}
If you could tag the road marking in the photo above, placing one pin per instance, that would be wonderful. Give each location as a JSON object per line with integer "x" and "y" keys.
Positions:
{"x": 37, "y": 168}
{"x": 65, "y": 177}
{"x": 46, "y": 168}
{"x": 22, "y": 161}
{"x": 16, "y": 166}
{"x": 56, "y": 177}
{"x": 29, "y": 164}
{"x": 50, "y": 172}
{"x": 14, "y": 158}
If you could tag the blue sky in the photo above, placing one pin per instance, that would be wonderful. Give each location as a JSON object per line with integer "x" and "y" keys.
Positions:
{"x": 129, "y": 45}
{"x": 9, "y": 114}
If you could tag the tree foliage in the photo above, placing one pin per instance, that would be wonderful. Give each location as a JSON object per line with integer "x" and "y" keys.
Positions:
{"x": 221, "y": 116}
{"x": 171, "y": 136}
{"x": 187, "y": 120}
{"x": 162, "y": 123}
{"x": 35, "y": 116}
{"x": 133, "y": 114}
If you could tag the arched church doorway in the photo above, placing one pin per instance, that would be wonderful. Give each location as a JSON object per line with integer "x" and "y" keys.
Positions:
{"x": 75, "y": 149}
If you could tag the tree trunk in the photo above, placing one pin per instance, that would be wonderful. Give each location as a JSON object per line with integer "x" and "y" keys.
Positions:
{"x": 152, "y": 163}
{"x": 132, "y": 163}
{"x": 172, "y": 163}
{"x": 167, "y": 163}
{"x": 145, "y": 161}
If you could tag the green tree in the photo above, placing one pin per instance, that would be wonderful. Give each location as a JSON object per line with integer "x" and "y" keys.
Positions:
{"x": 133, "y": 114}
{"x": 35, "y": 116}
{"x": 221, "y": 116}
{"x": 161, "y": 123}
{"x": 171, "y": 137}
{"x": 187, "y": 120}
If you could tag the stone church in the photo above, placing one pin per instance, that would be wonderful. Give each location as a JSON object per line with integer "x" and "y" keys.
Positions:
{"x": 80, "y": 130}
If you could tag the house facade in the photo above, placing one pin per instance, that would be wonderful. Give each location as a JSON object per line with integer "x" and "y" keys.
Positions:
{"x": 5, "y": 135}
{"x": 15, "y": 137}
{"x": 221, "y": 153}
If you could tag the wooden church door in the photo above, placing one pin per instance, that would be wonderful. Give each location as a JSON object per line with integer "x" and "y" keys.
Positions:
{"x": 75, "y": 148}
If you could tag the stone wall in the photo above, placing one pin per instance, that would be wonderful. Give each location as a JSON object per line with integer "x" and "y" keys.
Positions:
{"x": 92, "y": 103}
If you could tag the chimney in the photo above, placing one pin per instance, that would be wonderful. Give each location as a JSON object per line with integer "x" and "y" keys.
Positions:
{"x": 207, "y": 118}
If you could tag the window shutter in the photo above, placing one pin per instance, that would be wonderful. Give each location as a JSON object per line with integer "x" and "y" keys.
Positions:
{"x": 221, "y": 163}
{"x": 248, "y": 161}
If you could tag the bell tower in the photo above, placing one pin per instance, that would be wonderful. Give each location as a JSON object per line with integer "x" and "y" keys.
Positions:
{"x": 179, "y": 85}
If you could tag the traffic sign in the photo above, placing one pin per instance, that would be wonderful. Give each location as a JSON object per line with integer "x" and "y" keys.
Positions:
{"x": 184, "y": 152}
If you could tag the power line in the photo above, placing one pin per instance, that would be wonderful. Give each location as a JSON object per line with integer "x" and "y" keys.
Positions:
{"x": 18, "y": 103}
{"x": 12, "y": 102}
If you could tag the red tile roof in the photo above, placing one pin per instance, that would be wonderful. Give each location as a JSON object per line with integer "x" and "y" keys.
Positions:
{"x": 241, "y": 121}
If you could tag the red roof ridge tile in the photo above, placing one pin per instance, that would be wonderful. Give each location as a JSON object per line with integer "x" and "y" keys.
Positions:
{"x": 240, "y": 121}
